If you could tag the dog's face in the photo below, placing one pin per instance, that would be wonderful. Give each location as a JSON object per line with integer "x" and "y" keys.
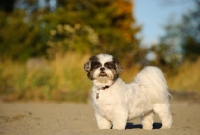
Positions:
{"x": 103, "y": 68}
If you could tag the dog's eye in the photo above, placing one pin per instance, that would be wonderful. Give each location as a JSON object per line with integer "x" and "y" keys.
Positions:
{"x": 109, "y": 65}
{"x": 95, "y": 65}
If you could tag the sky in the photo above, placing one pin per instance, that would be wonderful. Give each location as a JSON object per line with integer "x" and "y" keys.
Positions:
{"x": 154, "y": 14}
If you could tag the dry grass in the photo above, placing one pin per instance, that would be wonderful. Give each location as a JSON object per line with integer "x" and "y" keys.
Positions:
{"x": 186, "y": 78}
{"x": 63, "y": 79}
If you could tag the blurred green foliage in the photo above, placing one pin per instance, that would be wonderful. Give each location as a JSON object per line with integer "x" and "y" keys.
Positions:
{"x": 98, "y": 26}
{"x": 20, "y": 39}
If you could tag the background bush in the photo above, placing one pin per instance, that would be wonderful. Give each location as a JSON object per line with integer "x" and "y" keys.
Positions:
{"x": 80, "y": 26}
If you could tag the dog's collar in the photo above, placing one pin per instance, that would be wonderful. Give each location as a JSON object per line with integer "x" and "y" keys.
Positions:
{"x": 105, "y": 87}
{"x": 102, "y": 88}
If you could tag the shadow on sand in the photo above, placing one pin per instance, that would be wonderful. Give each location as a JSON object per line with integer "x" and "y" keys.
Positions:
{"x": 130, "y": 125}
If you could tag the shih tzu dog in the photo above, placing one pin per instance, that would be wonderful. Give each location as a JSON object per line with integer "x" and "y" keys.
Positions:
{"x": 115, "y": 102}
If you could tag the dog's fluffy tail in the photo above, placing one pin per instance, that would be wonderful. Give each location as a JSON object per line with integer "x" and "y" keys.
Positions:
{"x": 152, "y": 82}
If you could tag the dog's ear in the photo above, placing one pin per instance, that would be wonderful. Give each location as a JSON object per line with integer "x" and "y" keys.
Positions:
{"x": 87, "y": 65}
{"x": 118, "y": 66}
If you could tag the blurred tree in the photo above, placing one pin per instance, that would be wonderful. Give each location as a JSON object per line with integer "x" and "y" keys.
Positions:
{"x": 31, "y": 6}
{"x": 190, "y": 32}
{"x": 112, "y": 21}
{"x": 20, "y": 38}
{"x": 29, "y": 28}
{"x": 182, "y": 38}
{"x": 7, "y": 5}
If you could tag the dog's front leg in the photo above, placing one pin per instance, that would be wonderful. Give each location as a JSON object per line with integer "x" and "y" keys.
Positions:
{"x": 102, "y": 122}
{"x": 120, "y": 119}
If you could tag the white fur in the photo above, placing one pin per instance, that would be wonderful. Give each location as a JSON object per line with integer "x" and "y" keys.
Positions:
{"x": 146, "y": 95}
{"x": 103, "y": 58}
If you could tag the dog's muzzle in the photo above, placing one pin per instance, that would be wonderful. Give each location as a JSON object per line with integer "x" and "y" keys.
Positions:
{"x": 102, "y": 74}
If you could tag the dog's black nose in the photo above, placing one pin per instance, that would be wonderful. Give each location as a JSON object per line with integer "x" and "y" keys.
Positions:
{"x": 102, "y": 68}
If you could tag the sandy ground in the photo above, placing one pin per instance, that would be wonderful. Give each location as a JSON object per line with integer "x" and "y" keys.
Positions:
{"x": 39, "y": 118}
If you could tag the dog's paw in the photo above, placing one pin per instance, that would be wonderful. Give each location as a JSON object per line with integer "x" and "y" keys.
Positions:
{"x": 148, "y": 127}
{"x": 119, "y": 126}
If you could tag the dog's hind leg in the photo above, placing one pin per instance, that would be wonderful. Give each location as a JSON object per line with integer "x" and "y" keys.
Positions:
{"x": 147, "y": 121}
{"x": 165, "y": 115}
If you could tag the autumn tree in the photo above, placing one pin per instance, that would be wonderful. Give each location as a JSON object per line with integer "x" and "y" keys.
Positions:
{"x": 111, "y": 21}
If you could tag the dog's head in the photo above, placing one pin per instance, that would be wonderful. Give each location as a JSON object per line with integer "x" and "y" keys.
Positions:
{"x": 103, "y": 69}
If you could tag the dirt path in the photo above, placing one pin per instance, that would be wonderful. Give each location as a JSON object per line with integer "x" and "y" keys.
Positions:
{"x": 78, "y": 119}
